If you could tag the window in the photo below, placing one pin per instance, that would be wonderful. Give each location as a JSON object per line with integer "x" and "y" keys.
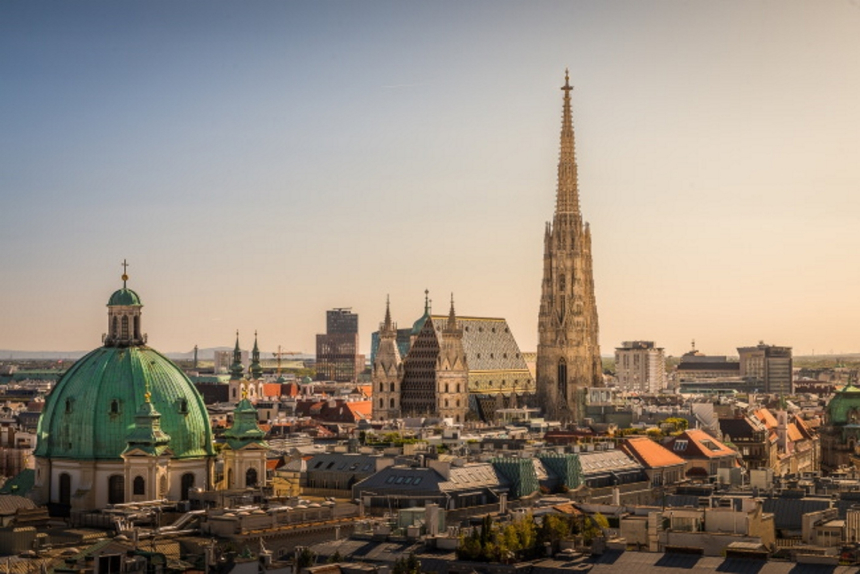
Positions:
{"x": 65, "y": 488}
{"x": 116, "y": 489}
{"x": 251, "y": 477}
{"x": 392, "y": 403}
{"x": 331, "y": 464}
{"x": 392, "y": 387}
{"x": 680, "y": 445}
{"x": 400, "y": 480}
{"x": 187, "y": 485}
{"x": 390, "y": 479}
{"x": 69, "y": 405}
{"x": 408, "y": 480}
{"x": 125, "y": 327}
{"x": 562, "y": 379}
{"x": 139, "y": 485}
{"x": 319, "y": 464}
{"x": 114, "y": 407}
{"x": 183, "y": 406}
{"x": 417, "y": 480}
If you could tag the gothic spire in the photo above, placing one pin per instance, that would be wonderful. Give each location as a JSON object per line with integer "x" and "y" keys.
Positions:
{"x": 567, "y": 194}
{"x": 387, "y": 325}
{"x": 452, "y": 316}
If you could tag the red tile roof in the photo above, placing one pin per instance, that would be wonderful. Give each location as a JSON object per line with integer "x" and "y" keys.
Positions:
{"x": 650, "y": 454}
{"x": 696, "y": 443}
{"x": 766, "y": 417}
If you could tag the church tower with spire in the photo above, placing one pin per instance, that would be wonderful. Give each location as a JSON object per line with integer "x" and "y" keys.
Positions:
{"x": 568, "y": 355}
{"x": 387, "y": 371}
{"x": 452, "y": 372}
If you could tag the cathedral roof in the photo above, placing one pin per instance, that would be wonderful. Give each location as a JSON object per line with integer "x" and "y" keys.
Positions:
{"x": 488, "y": 343}
{"x": 91, "y": 412}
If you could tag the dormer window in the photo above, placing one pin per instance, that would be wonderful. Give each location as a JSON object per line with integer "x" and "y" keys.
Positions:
{"x": 183, "y": 406}
{"x": 114, "y": 407}
{"x": 69, "y": 403}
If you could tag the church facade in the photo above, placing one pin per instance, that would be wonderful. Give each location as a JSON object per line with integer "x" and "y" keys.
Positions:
{"x": 568, "y": 353}
{"x": 457, "y": 367}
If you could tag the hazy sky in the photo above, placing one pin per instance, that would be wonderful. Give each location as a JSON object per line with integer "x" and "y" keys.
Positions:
{"x": 260, "y": 162}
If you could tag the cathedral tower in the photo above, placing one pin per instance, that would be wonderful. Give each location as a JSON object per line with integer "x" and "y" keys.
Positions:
{"x": 387, "y": 373}
{"x": 568, "y": 357}
{"x": 452, "y": 372}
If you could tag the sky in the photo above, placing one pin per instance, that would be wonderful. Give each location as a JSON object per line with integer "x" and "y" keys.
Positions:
{"x": 260, "y": 162}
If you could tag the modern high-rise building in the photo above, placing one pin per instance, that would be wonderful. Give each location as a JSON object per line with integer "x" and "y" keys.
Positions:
{"x": 640, "y": 367}
{"x": 768, "y": 366}
{"x": 337, "y": 357}
{"x": 568, "y": 354}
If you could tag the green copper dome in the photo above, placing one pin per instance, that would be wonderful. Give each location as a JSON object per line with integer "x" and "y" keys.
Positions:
{"x": 124, "y": 296}
{"x": 91, "y": 413}
{"x": 844, "y": 407}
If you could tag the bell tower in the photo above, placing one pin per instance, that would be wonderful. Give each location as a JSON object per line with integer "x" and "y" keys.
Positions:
{"x": 568, "y": 356}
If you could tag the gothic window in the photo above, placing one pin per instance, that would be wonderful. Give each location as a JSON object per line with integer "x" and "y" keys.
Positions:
{"x": 139, "y": 485}
{"x": 116, "y": 489}
{"x": 187, "y": 485}
{"x": 251, "y": 477}
{"x": 125, "y": 327}
{"x": 65, "y": 488}
{"x": 114, "y": 407}
{"x": 562, "y": 378}
{"x": 392, "y": 387}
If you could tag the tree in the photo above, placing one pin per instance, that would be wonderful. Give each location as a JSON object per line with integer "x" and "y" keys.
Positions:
{"x": 407, "y": 565}
{"x": 304, "y": 558}
{"x": 593, "y": 526}
{"x": 335, "y": 558}
{"x": 679, "y": 423}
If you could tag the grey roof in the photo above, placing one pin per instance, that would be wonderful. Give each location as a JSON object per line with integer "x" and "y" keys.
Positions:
{"x": 343, "y": 462}
{"x": 788, "y": 512}
{"x": 421, "y": 480}
{"x": 488, "y": 343}
{"x": 606, "y": 461}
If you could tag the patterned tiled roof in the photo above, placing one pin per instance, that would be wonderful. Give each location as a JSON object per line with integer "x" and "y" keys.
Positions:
{"x": 488, "y": 343}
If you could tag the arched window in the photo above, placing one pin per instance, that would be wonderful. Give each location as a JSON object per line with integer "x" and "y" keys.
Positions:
{"x": 125, "y": 327}
{"x": 458, "y": 387}
{"x": 458, "y": 403}
{"x": 392, "y": 403}
{"x": 562, "y": 378}
{"x": 446, "y": 403}
{"x": 381, "y": 387}
{"x": 187, "y": 484}
{"x": 114, "y": 407}
{"x": 136, "y": 327}
{"x": 183, "y": 406}
{"x": 446, "y": 388}
{"x": 69, "y": 405}
{"x": 65, "y": 488}
{"x": 138, "y": 486}
{"x": 381, "y": 403}
{"x": 251, "y": 478}
{"x": 114, "y": 330}
{"x": 116, "y": 489}
{"x": 392, "y": 387}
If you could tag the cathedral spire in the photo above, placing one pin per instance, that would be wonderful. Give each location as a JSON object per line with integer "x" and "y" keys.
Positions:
{"x": 452, "y": 316}
{"x": 567, "y": 194}
{"x": 387, "y": 325}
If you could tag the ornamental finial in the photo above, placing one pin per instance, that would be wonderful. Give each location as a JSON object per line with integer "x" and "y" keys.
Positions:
{"x": 124, "y": 272}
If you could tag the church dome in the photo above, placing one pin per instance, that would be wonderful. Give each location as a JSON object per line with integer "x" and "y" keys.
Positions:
{"x": 90, "y": 414}
{"x": 124, "y": 297}
{"x": 844, "y": 407}
{"x": 419, "y": 324}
